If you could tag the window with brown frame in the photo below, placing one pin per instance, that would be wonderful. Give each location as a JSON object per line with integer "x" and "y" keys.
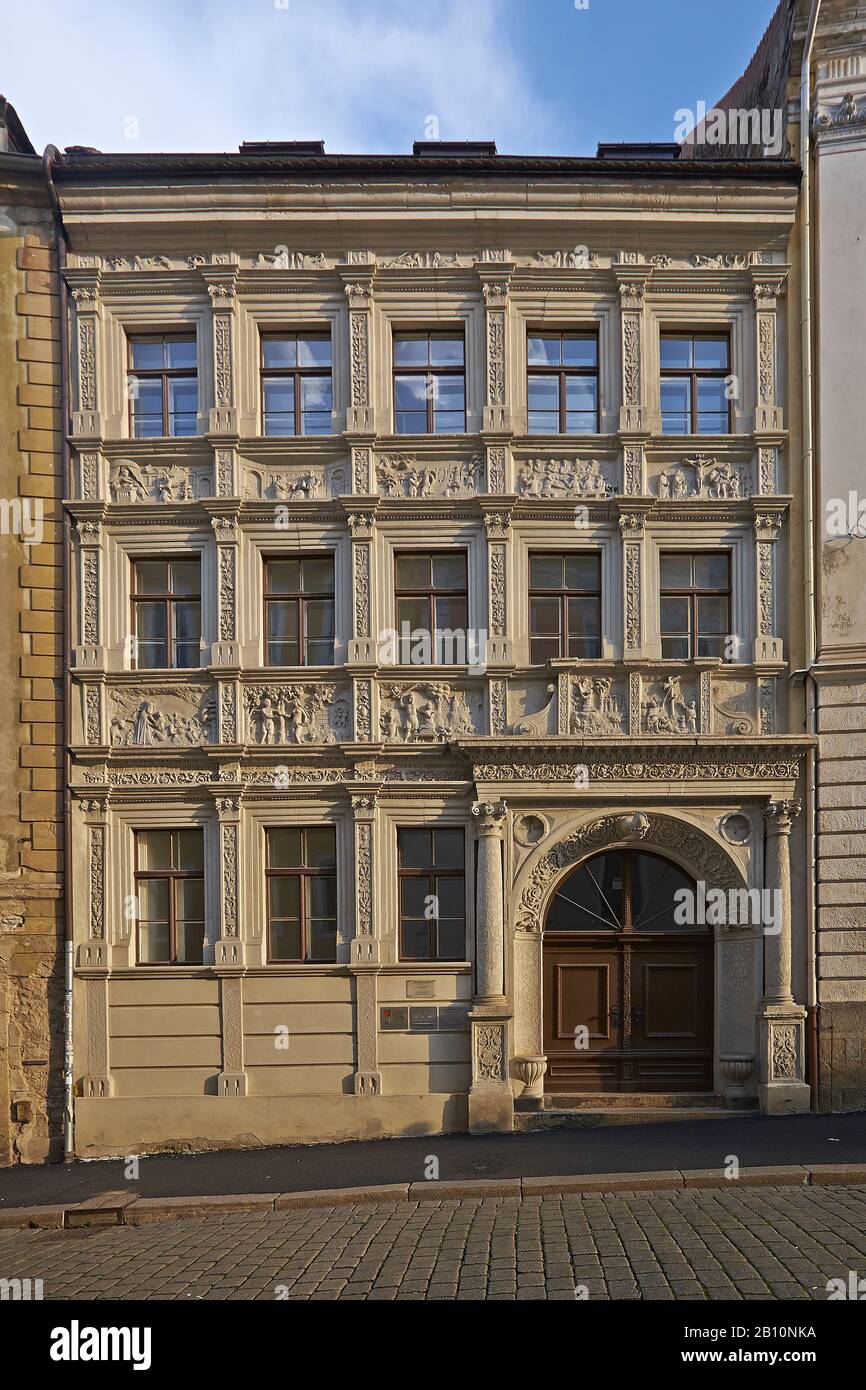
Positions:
{"x": 429, "y": 383}
{"x": 296, "y": 384}
{"x": 694, "y": 383}
{"x": 562, "y": 383}
{"x": 299, "y": 610}
{"x": 431, "y": 871}
{"x": 564, "y": 606}
{"x": 432, "y": 602}
{"x": 166, "y": 613}
{"x": 169, "y": 891}
{"x": 162, "y": 385}
{"x": 301, "y": 878}
{"x": 695, "y": 604}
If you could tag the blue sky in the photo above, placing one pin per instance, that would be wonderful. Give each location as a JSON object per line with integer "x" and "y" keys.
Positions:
{"x": 538, "y": 76}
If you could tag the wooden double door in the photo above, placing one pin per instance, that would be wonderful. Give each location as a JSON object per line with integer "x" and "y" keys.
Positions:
{"x": 628, "y": 980}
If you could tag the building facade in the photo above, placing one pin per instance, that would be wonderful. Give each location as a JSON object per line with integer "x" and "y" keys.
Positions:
{"x": 433, "y": 518}
{"x": 31, "y": 661}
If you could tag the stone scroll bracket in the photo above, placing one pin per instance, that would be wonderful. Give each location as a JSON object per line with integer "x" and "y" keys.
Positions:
{"x": 495, "y": 280}
{"x": 222, "y": 289}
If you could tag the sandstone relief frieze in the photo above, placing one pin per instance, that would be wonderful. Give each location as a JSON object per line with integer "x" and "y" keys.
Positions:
{"x": 150, "y": 482}
{"x": 705, "y": 477}
{"x": 402, "y": 475}
{"x": 175, "y": 716}
{"x": 286, "y": 484}
{"x": 295, "y": 713}
{"x": 428, "y": 712}
{"x": 566, "y": 478}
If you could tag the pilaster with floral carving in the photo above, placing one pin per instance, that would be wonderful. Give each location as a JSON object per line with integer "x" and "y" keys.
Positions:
{"x": 90, "y": 651}
{"x": 92, "y": 961}
{"x": 358, "y": 285}
{"x": 768, "y": 287}
{"x": 632, "y": 525}
{"x": 632, "y": 284}
{"x": 226, "y": 650}
{"x": 494, "y": 291}
{"x": 363, "y": 645}
{"x": 84, "y": 290}
{"x": 222, "y": 288}
{"x": 229, "y": 949}
{"x": 497, "y": 525}
{"x": 768, "y": 529}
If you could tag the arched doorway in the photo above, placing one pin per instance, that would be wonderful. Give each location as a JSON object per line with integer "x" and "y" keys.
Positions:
{"x": 628, "y": 986}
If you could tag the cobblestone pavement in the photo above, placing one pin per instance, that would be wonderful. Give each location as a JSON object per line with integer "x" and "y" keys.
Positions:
{"x": 740, "y": 1244}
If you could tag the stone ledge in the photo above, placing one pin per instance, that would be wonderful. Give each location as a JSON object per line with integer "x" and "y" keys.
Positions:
{"x": 123, "y": 1208}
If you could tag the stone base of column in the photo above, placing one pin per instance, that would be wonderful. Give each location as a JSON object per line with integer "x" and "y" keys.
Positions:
{"x": 491, "y": 1102}
{"x": 782, "y": 1088}
{"x": 232, "y": 1083}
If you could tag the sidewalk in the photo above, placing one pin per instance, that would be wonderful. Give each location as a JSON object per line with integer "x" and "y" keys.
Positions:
{"x": 756, "y": 1141}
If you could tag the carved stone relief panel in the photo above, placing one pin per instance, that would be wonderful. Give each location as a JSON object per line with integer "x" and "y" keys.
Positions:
{"x": 703, "y": 476}
{"x": 549, "y": 478}
{"x": 533, "y": 708}
{"x": 295, "y": 484}
{"x": 174, "y": 716}
{"x": 297, "y": 713}
{"x": 401, "y": 475}
{"x": 670, "y": 706}
{"x": 733, "y": 706}
{"x": 132, "y": 482}
{"x": 428, "y": 711}
{"x": 597, "y": 706}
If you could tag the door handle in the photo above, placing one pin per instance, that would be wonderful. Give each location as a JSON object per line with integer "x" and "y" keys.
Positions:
{"x": 615, "y": 1015}
{"x": 638, "y": 1016}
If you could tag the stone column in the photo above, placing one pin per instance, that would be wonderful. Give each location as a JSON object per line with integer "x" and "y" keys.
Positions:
{"x": 783, "y": 1089}
{"x": 491, "y": 1103}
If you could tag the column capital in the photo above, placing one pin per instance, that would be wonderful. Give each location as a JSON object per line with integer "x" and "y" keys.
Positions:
{"x": 490, "y": 817}
{"x": 780, "y": 815}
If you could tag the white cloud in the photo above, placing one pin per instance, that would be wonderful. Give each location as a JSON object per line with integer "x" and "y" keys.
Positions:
{"x": 205, "y": 74}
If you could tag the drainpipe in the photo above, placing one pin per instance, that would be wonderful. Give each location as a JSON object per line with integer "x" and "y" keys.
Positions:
{"x": 809, "y": 545}
{"x": 51, "y": 155}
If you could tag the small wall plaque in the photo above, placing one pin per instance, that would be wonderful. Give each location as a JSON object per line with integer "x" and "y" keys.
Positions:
{"x": 393, "y": 1019}
{"x": 420, "y": 989}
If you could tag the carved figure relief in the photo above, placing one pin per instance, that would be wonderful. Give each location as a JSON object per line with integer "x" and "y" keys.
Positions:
{"x": 428, "y": 712}
{"x": 148, "y": 482}
{"x": 177, "y": 716}
{"x": 703, "y": 476}
{"x": 281, "y": 714}
{"x": 596, "y": 708}
{"x": 284, "y": 485}
{"x": 400, "y": 475}
{"x": 563, "y": 478}
{"x": 667, "y": 710}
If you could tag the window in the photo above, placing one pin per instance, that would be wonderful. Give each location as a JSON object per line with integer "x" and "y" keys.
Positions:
{"x": 429, "y": 383}
{"x": 695, "y": 604}
{"x": 432, "y": 603}
{"x": 166, "y": 613}
{"x": 169, "y": 888}
{"x": 431, "y": 873}
{"x": 302, "y": 894}
{"x": 299, "y": 611}
{"x": 163, "y": 385}
{"x": 296, "y": 384}
{"x": 562, "y": 383}
{"x": 694, "y": 371}
{"x": 564, "y": 607}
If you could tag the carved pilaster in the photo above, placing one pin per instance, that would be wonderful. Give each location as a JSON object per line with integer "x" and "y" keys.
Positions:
{"x": 225, "y": 472}
{"x": 226, "y": 651}
{"x": 362, "y": 470}
{"x": 229, "y": 696}
{"x": 767, "y": 289}
{"x": 496, "y": 459}
{"x": 497, "y": 526}
{"x": 365, "y": 945}
{"x": 632, "y": 284}
{"x": 229, "y": 951}
{"x": 632, "y": 529}
{"x": 362, "y": 647}
{"x": 494, "y": 290}
{"x": 497, "y": 702}
{"x": 768, "y": 470}
{"x": 90, "y": 652}
{"x": 633, "y": 467}
{"x": 359, "y": 296}
{"x": 363, "y": 713}
{"x": 223, "y": 295}
{"x": 86, "y": 418}
{"x": 767, "y": 531}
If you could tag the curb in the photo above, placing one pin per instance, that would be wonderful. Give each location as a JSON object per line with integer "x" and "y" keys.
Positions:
{"x": 125, "y": 1209}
